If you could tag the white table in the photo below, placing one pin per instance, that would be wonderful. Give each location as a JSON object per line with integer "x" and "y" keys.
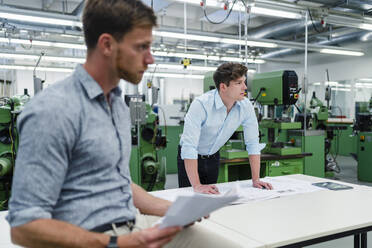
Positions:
{"x": 5, "y": 232}
{"x": 304, "y": 219}
{"x": 291, "y": 221}
{"x": 211, "y": 226}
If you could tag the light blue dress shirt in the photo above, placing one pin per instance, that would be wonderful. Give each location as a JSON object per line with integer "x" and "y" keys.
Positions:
{"x": 73, "y": 157}
{"x": 208, "y": 126}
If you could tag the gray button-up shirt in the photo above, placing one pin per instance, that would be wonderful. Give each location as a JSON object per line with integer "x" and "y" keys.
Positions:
{"x": 73, "y": 156}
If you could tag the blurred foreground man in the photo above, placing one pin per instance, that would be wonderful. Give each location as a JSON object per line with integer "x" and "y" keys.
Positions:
{"x": 72, "y": 186}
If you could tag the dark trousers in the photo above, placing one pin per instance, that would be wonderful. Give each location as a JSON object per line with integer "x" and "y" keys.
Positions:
{"x": 207, "y": 169}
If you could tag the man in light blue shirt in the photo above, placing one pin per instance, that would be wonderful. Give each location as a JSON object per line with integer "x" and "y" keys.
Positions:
{"x": 210, "y": 122}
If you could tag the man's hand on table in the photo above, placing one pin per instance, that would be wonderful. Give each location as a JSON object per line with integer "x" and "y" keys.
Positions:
{"x": 261, "y": 185}
{"x": 206, "y": 189}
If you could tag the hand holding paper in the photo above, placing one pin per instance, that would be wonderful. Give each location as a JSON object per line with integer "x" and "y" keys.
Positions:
{"x": 188, "y": 209}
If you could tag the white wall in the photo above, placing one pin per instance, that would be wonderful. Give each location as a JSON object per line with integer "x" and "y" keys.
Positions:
{"x": 176, "y": 88}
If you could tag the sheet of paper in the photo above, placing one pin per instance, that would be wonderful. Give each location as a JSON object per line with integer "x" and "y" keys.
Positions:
{"x": 189, "y": 208}
{"x": 283, "y": 186}
{"x": 5, "y": 232}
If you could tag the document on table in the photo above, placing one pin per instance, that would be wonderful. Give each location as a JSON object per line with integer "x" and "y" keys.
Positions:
{"x": 283, "y": 186}
{"x": 189, "y": 208}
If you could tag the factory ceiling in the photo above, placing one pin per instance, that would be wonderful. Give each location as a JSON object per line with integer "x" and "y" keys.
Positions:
{"x": 246, "y": 30}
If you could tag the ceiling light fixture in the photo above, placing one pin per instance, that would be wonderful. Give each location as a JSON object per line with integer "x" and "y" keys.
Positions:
{"x": 341, "y": 52}
{"x": 276, "y": 13}
{"x": 206, "y": 57}
{"x": 45, "y": 58}
{"x": 214, "y": 39}
{"x": 189, "y": 68}
{"x": 173, "y": 75}
{"x": 340, "y": 89}
{"x": 31, "y": 68}
{"x": 366, "y": 26}
{"x": 43, "y": 43}
{"x": 42, "y": 20}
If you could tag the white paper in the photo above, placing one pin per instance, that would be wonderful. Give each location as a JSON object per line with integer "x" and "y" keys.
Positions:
{"x": 189, "y": 208}
{"x": 5, "y": 232}
{"x": 283, "y": 186}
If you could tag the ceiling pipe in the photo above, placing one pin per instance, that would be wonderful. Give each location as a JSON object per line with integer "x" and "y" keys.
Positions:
{"x": 341, "y": 39}
{"x": 281, "y": 29}
{"x": 78, "y": 11}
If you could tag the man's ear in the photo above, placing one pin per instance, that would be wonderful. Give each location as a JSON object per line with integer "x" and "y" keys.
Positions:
{"x": 106, "y": 44}
{"x": 223, "y": 86}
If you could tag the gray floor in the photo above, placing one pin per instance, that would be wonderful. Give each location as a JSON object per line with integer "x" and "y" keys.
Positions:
{"x": 348, "y": 174}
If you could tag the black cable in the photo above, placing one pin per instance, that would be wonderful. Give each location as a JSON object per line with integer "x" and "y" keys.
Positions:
{"x": 312, "y": 22}
{"x": 258, "y": 95}
{"x": 227, "y": 16}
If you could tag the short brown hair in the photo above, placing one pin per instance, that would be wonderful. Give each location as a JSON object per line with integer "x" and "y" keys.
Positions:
{"x": 227, "y": 72}
{"x": 115, "y": 17}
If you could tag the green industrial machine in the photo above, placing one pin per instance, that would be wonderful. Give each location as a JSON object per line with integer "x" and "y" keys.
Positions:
{"x": 363, "y": 129}
{"x": 336, "y": 130}
{"x": 208, "y": 82}
{"x": 9, "y": 110}
{"x": 311, "y": 141}
{"x": 279, "y": 88}
{"x": 320, "y": 112}
{"x": 147, "y": 168}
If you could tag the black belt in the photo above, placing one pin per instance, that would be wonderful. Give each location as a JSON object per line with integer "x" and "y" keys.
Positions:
{"x": 208, "y": 156}
{"x": 106, "y": 227}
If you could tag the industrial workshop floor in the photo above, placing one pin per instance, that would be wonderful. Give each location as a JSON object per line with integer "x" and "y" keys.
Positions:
{"x": 348, "y": 174}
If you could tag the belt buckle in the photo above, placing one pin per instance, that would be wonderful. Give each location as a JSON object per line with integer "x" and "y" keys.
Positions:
{"x": 130, "y": 225}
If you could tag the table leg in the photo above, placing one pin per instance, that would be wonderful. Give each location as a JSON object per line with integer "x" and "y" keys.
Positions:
{"x": 364, "y": 240}
{"x": 357, "y": 241}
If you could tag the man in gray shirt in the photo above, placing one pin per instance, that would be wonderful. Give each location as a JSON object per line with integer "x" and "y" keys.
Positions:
{"x": 72, "y": 186}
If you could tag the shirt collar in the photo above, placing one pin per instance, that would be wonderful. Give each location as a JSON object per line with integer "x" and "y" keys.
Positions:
{"x": 218, "y": 101}
{"x": 90, "y": 85}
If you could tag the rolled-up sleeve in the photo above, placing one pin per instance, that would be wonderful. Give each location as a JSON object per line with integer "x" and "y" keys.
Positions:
{"x": 46, "y": 137}
{"x": 251, "y": 133}
{"x": 191, "y": 132}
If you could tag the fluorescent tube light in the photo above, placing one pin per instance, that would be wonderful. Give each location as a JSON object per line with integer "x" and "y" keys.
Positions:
{"x": 363, "y": 85}
{"x": 341, "y": 52}
{"x": 180, "y": 67}
{"x": 206, "y": 57}
{"x": 31, "y": 68}
{"x": 173, "y": 75}
{"x": 190, "y": 67}
{"x": 365, "y": 79}
{"x": 44, "y": 43}
{"x": 340, "y": 89}
{"x": 43, "y": 20}
{"x": 365, "y": 26}
{"x": 213, "y": 39}
{"x": 330, "y": 83}
{"x": 276, "y": 13}
{"x": 45, "y": 58}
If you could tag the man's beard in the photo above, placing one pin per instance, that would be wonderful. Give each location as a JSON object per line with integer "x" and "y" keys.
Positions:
{"x": 125, "y": 74}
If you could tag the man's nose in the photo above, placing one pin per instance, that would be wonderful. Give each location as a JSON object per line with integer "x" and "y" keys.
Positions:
{"x": 149, "y": 59}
